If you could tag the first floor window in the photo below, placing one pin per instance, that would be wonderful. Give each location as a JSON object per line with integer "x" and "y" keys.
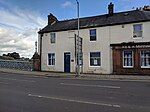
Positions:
{"x": 51, "y": 59}
{"x": 92, "y": 34}
{"x": 52, "y": 37}
{"x": 95, "y": 59}
{"x": 145, "y": 58}
{"x": 137, "y": 30}
{"x": 127, "y": 58}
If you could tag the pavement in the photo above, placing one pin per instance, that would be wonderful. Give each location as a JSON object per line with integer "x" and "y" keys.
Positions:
{"x": 29, "y": 93}
{"x": 82, "y": 76}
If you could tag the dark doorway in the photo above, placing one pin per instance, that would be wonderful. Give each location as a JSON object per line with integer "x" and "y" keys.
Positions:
{"x": 67, "y": 62}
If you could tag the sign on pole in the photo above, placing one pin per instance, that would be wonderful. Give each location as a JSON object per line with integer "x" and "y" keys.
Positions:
{"x": 78, "y": 50}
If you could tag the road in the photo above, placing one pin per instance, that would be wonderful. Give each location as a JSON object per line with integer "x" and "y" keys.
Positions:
{"x": 24, "y": 93}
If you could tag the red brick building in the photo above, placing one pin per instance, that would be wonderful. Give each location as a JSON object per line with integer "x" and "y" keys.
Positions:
{"x": 131, "y": 58}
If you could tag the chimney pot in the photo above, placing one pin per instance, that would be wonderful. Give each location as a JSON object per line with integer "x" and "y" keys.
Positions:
{"x": 51, "y": 19}
{"x": 111, "y": 9}
{"x": 146, "y": 8}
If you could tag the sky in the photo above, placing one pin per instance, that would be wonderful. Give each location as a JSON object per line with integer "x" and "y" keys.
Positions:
{"x": 20, "y": 20}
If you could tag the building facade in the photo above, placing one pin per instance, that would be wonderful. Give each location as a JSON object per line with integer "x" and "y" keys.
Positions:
{"x": 114, "y": 43}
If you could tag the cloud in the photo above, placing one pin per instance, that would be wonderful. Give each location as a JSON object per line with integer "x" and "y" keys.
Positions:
{"x": 67, "y": 4}
{"x": 18, "y": 30}
{"x": 22, "y": 42}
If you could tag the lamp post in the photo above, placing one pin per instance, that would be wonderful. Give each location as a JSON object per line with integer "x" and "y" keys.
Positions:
{"x": 78, "y": 52}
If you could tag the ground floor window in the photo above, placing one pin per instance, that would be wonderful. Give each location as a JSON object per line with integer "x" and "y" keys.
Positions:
{"x": 95, "y": 59}
{"x": 51, "y": 59}
{"x": 145, "y": 59}
{"x": 128, "y": 58}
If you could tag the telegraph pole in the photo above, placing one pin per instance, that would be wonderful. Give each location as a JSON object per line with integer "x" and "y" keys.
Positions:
{"x": 36, "y": 46}
{"x": 78, "y": 51}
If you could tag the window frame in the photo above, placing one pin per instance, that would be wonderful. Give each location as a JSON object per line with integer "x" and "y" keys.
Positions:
{"x": 52, "y": 39}
{"x": 127, "y": 57}
{"x": 94, "y": 57}
{"x": 142, "y": 59}
{"x": 135, "y": 32}
{"x": 95, "y": 35}
{"x": 51, "y": 59}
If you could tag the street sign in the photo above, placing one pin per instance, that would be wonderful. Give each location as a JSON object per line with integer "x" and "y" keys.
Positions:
{"x": 78, "y": 49}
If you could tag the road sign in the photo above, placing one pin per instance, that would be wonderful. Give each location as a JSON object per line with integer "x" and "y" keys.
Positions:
{"x": 78, "y": 49}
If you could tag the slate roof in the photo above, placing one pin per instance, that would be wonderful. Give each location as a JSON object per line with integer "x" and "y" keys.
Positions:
{"x": 99, "y": 21}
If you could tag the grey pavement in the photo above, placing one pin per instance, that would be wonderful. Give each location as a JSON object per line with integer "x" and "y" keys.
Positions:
{"x": 82, "y": 76}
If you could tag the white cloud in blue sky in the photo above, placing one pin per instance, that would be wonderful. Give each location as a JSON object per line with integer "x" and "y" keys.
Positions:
{"x": 21, "y": 19}
{"x": 68, "y": 4}
{"x": 18, "y": 30}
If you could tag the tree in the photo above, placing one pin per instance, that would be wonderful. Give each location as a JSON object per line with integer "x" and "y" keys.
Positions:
{"x": 13, "y": 55}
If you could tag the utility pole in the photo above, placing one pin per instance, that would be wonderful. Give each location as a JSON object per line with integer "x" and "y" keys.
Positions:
{"x": 36, "y": 46}
{"x": 78, "y": 51}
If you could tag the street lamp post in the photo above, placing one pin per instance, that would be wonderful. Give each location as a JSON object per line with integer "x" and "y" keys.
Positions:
{"x": 78, "y": 52}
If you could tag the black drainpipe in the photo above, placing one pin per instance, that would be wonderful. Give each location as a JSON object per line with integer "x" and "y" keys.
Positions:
{"x": 41, "y": 52}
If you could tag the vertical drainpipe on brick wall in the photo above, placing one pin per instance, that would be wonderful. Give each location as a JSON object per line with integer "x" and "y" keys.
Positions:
{"x": 41, "y": 52}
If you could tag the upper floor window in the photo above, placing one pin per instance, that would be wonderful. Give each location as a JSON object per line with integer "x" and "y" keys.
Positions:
{"x": 92, "y": 34}
{"x": 137, "y": 30}
{"x": 127, "y": 58}
{"x": 51, "y": 59}
{"x": 52, "y": 37}
{"x": 95, "y": 59}
{"x": 145, "y": 59}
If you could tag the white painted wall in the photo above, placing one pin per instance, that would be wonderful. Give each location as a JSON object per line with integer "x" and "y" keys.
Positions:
{"x": 105, "y": 36}
{"x": 119, "y": 34}
{"x": 64, "y": 43}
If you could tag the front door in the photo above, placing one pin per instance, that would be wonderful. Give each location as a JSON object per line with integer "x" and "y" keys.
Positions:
{"x": 67, "y": 62}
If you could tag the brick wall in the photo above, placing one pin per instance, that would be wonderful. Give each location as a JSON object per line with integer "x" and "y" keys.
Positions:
{"x": 118, "y": 62}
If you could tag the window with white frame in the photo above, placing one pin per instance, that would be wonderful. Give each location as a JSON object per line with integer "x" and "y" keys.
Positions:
{"x": 137, "y": 30}
{"x": 51, "y": 59}
{"x": 95, "y": 59}
{"x": 145, "y": 59}
{"x": 92, "y": 34}
{"x": 52, "y": 37}
{"x": 128, "y": 58}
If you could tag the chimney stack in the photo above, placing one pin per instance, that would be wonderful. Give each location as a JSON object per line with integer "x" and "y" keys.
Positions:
{"x": 51, "y": 19}
{"x": 110, "y": 9}
{"x": 146, "y": 8}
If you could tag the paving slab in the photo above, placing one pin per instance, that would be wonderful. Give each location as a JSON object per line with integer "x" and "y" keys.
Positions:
{"x": 82, "y": 76}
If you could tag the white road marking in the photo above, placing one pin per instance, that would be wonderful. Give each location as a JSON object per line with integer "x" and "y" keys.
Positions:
{"x": 76, "y": 101}
{"x": 17, "y": 79}
{"x": 40, "y": 77}
{"x": 3, "y": 83}
{"x": 85, "y": 85}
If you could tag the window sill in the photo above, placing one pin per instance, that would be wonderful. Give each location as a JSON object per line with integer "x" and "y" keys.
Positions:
{"x": 95, "y": 66}
{"x": 93, "y": 41}
{"x": 51, "y": 65}
{"x": 145, "y": 66}
{"x": 127, "y": 66}
{"x": 137, "y": 38}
